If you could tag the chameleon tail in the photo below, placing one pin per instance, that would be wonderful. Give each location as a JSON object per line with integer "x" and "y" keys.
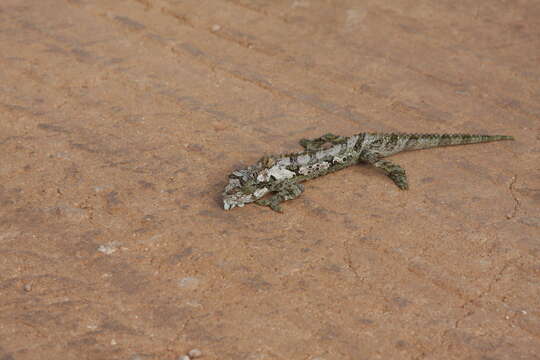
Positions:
{"x": 425, "y": 141}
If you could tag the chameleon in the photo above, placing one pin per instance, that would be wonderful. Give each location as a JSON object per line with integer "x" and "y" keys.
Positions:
{"x": 282, "y": 175}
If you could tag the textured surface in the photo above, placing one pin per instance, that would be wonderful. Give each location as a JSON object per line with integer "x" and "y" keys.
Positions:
{"x": 120, "y": 121}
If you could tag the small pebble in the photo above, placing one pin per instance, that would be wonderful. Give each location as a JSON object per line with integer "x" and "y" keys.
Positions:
{"x": 27, "y": 287}
{"x": 189, "y": 282}
{"x": 195, "y": 353}
{"x": 109, "y": 248}
{"x": 216, "y": 27}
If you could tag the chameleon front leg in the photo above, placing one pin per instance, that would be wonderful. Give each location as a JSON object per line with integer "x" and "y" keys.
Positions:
{"x": 286, "y": 192}
{"x": 393, "y": 171}
{"x": 317, "y": 143}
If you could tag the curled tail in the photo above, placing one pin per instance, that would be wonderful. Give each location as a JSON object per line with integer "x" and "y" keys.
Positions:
{"x": 425, "y": 141}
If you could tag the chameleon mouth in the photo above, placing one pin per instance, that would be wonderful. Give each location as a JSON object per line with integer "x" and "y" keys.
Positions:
{"x": 239, "y": 199}
{"x": 229, "y": 203}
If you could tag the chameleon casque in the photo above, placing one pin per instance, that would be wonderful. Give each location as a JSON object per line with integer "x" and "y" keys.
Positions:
{"x": 282, "y": 175}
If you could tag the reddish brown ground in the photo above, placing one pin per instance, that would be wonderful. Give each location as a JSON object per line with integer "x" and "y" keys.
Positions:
{"x": 120, "y": 121}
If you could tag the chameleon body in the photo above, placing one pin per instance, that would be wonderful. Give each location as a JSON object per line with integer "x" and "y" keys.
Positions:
{"x": 282, "y": 175}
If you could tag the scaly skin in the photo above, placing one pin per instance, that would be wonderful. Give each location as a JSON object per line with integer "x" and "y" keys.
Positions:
{"x": 282, "y": 175}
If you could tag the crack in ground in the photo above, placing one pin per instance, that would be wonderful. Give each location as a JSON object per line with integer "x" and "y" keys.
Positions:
{"x": 517, "y": 204}
{"x": 474, "y": 301}
{"x": 348, "y": 259}
{"x": 173, "y": 344}
{"x": 497, "y": 278}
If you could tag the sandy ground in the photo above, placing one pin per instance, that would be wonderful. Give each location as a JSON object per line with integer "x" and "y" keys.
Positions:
{"x": 120, "y": 121}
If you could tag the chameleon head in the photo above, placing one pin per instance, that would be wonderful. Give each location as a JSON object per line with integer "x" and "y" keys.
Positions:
{"x": 243, "y": 188}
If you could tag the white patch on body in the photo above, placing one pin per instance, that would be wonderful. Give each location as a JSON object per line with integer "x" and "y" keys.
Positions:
{"x": 303, "y": 159}
{"x": 306, "y": 170}
{"x": 233, "y": 183}
{"x": 277, "y": 172}
{"x": 259, "y": 193}
{"x": 351, "y": 142}
{"x": 339, "y": 159}
{"x": 333, "y": 151}
{"x": 284, "y": 162}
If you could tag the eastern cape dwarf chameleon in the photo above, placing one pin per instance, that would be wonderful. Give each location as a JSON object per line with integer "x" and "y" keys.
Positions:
{"x": 282, "y": 175}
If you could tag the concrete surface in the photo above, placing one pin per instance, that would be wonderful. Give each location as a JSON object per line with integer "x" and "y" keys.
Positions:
{"x": 120, "y": 121}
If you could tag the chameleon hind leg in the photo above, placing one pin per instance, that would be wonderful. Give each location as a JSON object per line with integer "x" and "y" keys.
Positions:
{"x": 317, "y": 143}
{"x": 287, "y": 192}
{"x": 393, "y": 171}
